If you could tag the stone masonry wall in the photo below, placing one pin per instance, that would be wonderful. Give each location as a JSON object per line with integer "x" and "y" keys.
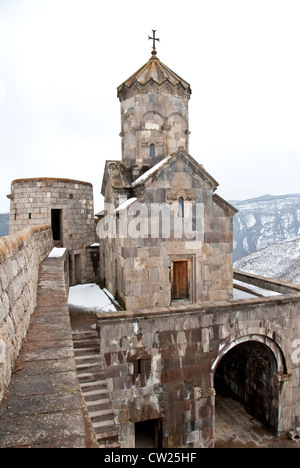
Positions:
{"x": 20, "y": 256}
{"x": 137, "y": 262}
{"x": 161, "y": 364}
{"x": 144, "y": 124}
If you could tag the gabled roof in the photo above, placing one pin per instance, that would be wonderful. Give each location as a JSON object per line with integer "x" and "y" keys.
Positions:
{"x": 153, "y": 71}
{"x": 120, "y": 178}
{"x": 114, "y": 169}
{"x": 118, "y": 174}
{"x": 231, "y": 210}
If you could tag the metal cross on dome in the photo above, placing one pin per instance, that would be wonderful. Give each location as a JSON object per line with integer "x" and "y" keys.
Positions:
{"x": 154, "y": 52}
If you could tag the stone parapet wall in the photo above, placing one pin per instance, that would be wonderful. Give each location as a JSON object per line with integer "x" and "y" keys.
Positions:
{"x": 266, "y": 283}
{"x": 161, "y": 363}
{"x": 20, "y": 257}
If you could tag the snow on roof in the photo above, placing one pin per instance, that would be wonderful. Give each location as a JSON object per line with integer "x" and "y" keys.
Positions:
{"x": 125, "y": 204}
{"x": 151, "y": 171}
{"x": 57, "y": 252}
{"x": 89, "y": 298}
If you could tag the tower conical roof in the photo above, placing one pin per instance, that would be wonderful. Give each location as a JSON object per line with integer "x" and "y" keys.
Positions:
{"x": 156, "y": 72}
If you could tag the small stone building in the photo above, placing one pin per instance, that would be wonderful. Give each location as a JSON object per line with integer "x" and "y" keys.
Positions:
{"x": 68, "y": 207}
{"x": 166, "y": 236}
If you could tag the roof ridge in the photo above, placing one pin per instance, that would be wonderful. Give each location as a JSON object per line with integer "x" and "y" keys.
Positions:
{"x": 157, "y": 71}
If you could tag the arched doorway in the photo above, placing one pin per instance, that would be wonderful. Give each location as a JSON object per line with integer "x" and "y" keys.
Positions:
{"x": 248, "y": 371}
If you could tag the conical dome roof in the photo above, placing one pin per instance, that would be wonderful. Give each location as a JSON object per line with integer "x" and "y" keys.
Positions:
{"x": 154, "y": 71}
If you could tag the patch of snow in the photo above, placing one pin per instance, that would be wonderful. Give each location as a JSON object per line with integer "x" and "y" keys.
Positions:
{"x": 278, "y": 194}
{"x": 255, "y": 289}
{"x": 250, "y": 220}
{"x": 109, "y": 294}
{"x": 125, "y": 204}
{"x": 245, "y": 243}
{"x": 151, "y": 171}
{"x": 96, "y": 244}
{"x": 238, "y": 294}
{"x": 111, "y": 297}
{"x": 89, "y": 298}
{"x": 57, "y": 252}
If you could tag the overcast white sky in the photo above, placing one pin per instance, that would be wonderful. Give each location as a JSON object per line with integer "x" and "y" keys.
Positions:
{"x": 62, "y": 60}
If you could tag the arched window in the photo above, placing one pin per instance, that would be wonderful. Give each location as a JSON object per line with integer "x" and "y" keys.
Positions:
{"x": 152, "y": 150}
{"x": 180, "y": 207}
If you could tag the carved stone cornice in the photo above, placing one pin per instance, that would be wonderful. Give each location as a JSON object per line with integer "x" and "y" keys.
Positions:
{"x": 153, "y": 88}
{"x": 155, "y": 77}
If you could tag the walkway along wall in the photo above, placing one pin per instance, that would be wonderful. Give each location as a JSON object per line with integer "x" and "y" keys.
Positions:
{"x": 161, "y": 364}
{"x": 20, "y": 257}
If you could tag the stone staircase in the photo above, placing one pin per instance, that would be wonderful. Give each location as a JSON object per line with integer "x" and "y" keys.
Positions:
{"x": 90, "y": 371}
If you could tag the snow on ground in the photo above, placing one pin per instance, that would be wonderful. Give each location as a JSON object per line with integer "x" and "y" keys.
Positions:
{"x": 238, "y": 294}
{"x": 89, "y": 298}
{"x": 57, "y": 252}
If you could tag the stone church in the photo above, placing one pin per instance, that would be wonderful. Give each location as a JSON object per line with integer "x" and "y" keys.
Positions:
{"x": 167, "y": 236}
{"x": 166, "y": 240}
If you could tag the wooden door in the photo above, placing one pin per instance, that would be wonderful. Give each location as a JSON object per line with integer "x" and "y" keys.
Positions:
{"x": 180, "y": 279}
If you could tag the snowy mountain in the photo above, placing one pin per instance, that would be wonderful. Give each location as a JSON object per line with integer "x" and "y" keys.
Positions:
{"x": 279, "y": 261}
{"x": 264, "y": 221}
{"x": 4, "y": 221}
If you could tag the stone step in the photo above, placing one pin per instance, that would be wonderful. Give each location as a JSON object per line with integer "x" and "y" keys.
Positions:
{"x": 91, "y": 367}
{"x": 104, "y": 426}
{"x": 108, "y": 439}
{"x": 102, "y": 415}
{"x": 106, "y": 443}
{"x": 91, "y": 339}
{"x": 85, "y": 335}
{"x": 94, "y": 385}
{"x": 94, "y": 395}
{"x": 91, "y": 377}
{"x": 81, "y": 346}
{"x": 85, "y": 358}
{"x": 98, "y": 405}
{"x": 86, "y": 350}
{"x": 86, "y": 377}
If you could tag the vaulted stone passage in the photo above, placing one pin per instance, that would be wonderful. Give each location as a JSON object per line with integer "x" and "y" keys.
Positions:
{"x": 148, "y": 434}
{"x": 249, "y": 371}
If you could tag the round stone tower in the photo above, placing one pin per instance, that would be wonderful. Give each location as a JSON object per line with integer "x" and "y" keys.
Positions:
{"x": 154, "y": 115}
{"x": 65, "y": 205}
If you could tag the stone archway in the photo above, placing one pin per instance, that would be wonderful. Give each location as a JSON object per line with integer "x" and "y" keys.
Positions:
{"x": 248, "y": 369}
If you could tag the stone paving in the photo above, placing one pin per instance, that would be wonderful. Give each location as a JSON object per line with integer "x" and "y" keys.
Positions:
{"x": 43, "y": 406}
{"x": 236, "y": 428}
